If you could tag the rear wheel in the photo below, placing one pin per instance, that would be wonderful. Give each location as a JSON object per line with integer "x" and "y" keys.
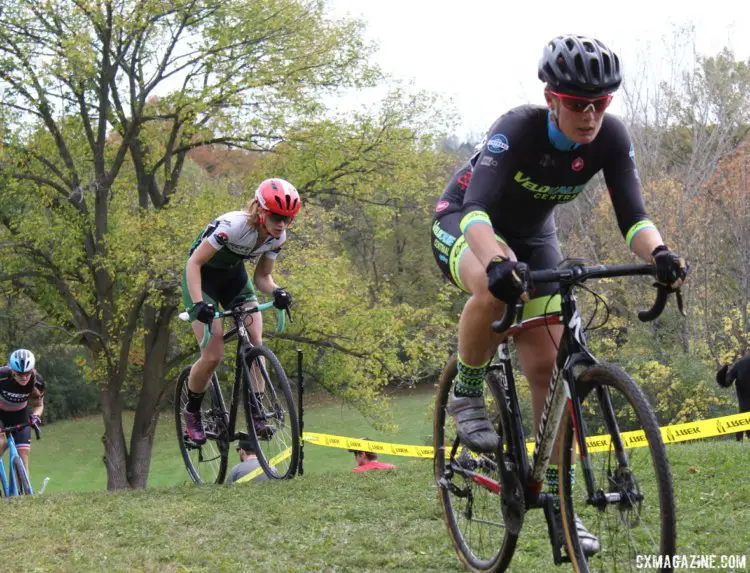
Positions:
{"x": 206, "y": 463}
{"x": 469, "y": 490}
{"x": 22, "y": 477}
{"x": 270, "y": 412}
{"x": 633, "y": 510}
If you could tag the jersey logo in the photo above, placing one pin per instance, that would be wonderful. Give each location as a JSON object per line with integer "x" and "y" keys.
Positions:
{"x": 577, "y": 164}
{"x": 559, "y": 193}
{"x": 487, "y": 161}
{"x": 222, "y": 238}
{"x": 463, "y": 181}
{"x": 441, "y": 206}
{"x": 498, "y": 143}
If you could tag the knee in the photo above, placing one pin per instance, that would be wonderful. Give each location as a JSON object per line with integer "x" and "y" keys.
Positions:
{"x": 487, "y": 302}
{"x": 539, "y": 371}
{"x": 212, "y": 358}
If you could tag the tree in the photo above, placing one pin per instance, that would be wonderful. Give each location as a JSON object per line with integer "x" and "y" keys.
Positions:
{"x": 92, "y": 158}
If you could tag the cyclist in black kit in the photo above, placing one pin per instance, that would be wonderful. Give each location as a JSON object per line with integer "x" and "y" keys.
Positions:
{"x": 497, "y": 210}
{"x": 20, "y": 386}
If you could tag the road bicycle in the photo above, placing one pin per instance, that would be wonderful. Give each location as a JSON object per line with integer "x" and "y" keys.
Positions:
{"x": 261, "y": 386}
{"x": 623, "y": 493}
{"x": 17, "y": 481}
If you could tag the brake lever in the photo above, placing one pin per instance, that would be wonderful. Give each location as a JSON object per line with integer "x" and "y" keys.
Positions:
{"x": 680, "y": 306}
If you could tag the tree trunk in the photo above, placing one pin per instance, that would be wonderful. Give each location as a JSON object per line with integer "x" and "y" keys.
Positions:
{"x": 156, "y": 345}
{"x": 115, "y": 452}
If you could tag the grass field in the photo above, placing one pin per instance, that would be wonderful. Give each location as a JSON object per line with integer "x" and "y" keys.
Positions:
{"x": 70, "y": 452}
{"x": 327, "y": 520}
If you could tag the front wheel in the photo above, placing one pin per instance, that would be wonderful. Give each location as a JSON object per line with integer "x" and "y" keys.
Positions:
{"x": 206, "y": 463}
{"x": 469, "y": 490}
{"x": 630, "y": 507}
{"x": 21, "y": 477}
{"x": 270, "y": 412}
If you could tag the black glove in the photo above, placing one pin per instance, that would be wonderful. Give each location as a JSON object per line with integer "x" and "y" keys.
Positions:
{"x": 203, "y": 312}
{"x": 721, "y": 377}
{"x": 504, "y": 281}
{"x": 282, "y": 299}
{"x": 35, "y": 420}
{"x": 671, "y": 269}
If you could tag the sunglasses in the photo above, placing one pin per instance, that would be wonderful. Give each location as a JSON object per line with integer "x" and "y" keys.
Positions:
{"x": 276, "y": 218}
{"x": 579, "y": 104}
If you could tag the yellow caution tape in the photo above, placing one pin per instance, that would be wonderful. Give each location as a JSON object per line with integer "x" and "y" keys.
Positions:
{"x": 277, "y": 459}
{"x": 671, "y": 434}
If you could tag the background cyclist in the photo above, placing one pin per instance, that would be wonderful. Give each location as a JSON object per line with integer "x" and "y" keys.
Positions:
{"x": 20, "y": 384}
{"x": 215, "y": 274}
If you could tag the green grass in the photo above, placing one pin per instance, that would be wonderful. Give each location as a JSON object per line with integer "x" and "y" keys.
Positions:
{"x": 337, "y": 521}
{"x": 327, "y": 520}
{"x": 70, "y": 452}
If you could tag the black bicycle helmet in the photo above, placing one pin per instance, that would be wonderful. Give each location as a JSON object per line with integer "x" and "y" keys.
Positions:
{"x": 580, "y": 66}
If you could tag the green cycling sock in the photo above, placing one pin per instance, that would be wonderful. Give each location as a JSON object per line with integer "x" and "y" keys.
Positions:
{"x": 470, "y": 379}
{"x": 551, "y": 481}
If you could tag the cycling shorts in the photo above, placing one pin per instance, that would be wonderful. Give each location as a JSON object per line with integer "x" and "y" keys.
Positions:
{"x": 22, "y": 437}
{"x": 226, "y": 286}
{"x": 449, "y": 245}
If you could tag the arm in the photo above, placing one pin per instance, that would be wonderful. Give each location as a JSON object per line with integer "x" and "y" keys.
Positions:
{"x": 36, "y": 399}
{"x": 481, "y": 239}
{"x": 262, "y": 276}
{"x": 621, "y": 175}
{"x": 494, "y": 166}
{"x": 200, "y": 257}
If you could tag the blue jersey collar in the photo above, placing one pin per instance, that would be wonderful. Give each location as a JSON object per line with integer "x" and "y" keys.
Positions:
{"x": 557, "y": 137}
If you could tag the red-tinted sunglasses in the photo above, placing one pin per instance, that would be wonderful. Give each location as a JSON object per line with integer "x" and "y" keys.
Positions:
{"x": 276, "y": 218}
{"x": 580, "y": 104}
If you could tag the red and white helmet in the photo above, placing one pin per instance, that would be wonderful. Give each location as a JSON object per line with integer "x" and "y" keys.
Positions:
{"x": 279, "y": 196}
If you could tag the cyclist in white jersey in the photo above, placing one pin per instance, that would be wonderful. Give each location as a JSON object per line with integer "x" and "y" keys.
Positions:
{"x": 215, "y": 275}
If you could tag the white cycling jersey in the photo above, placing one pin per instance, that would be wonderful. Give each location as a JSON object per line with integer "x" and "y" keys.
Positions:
{"x": 237, "y": 241}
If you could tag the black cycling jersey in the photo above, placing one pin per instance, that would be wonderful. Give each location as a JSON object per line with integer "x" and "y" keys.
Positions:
{"x": 524, "y": 169}
{"x": 15, "y": 396}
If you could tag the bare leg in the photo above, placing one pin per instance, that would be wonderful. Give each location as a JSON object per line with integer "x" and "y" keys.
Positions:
{"x": 476, "y": 341}
{"x": 24, "y": 453}
{"x": 537, "y": 350}
{"x": 254, "y": 325}
{"x": 210, "y": 358}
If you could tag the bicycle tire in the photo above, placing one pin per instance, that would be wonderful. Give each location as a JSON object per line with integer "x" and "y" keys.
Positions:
{"x": 472, "y": 513}
{"x": 206, "y": 463}
{"x": 277, "y": 453}
{"x": 4, "y": 486}
{"x": 22, "y": 477}
{"x": 645, "y": 479}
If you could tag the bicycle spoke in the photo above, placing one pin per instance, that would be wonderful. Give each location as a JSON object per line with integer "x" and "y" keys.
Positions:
{"x": 633, "y": 511}
{"x": 271, "y": 414}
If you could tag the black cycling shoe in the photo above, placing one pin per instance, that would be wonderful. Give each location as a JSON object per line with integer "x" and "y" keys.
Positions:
{"x": 263, "y": 430}
{"x": 589, "y": 542}
{"x": 472, "y": 423}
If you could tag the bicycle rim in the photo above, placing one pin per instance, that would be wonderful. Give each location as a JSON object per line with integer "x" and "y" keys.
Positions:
{"x": 639, "y": 516}
{"x": 206, "y": 463}
{"x": 268, "y": 397}
{"x": 22, "y": 478}
{"x": 471, "y": 508}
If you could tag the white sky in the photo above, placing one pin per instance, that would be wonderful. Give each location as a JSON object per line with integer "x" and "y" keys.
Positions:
{"x": 484, "y": 53}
